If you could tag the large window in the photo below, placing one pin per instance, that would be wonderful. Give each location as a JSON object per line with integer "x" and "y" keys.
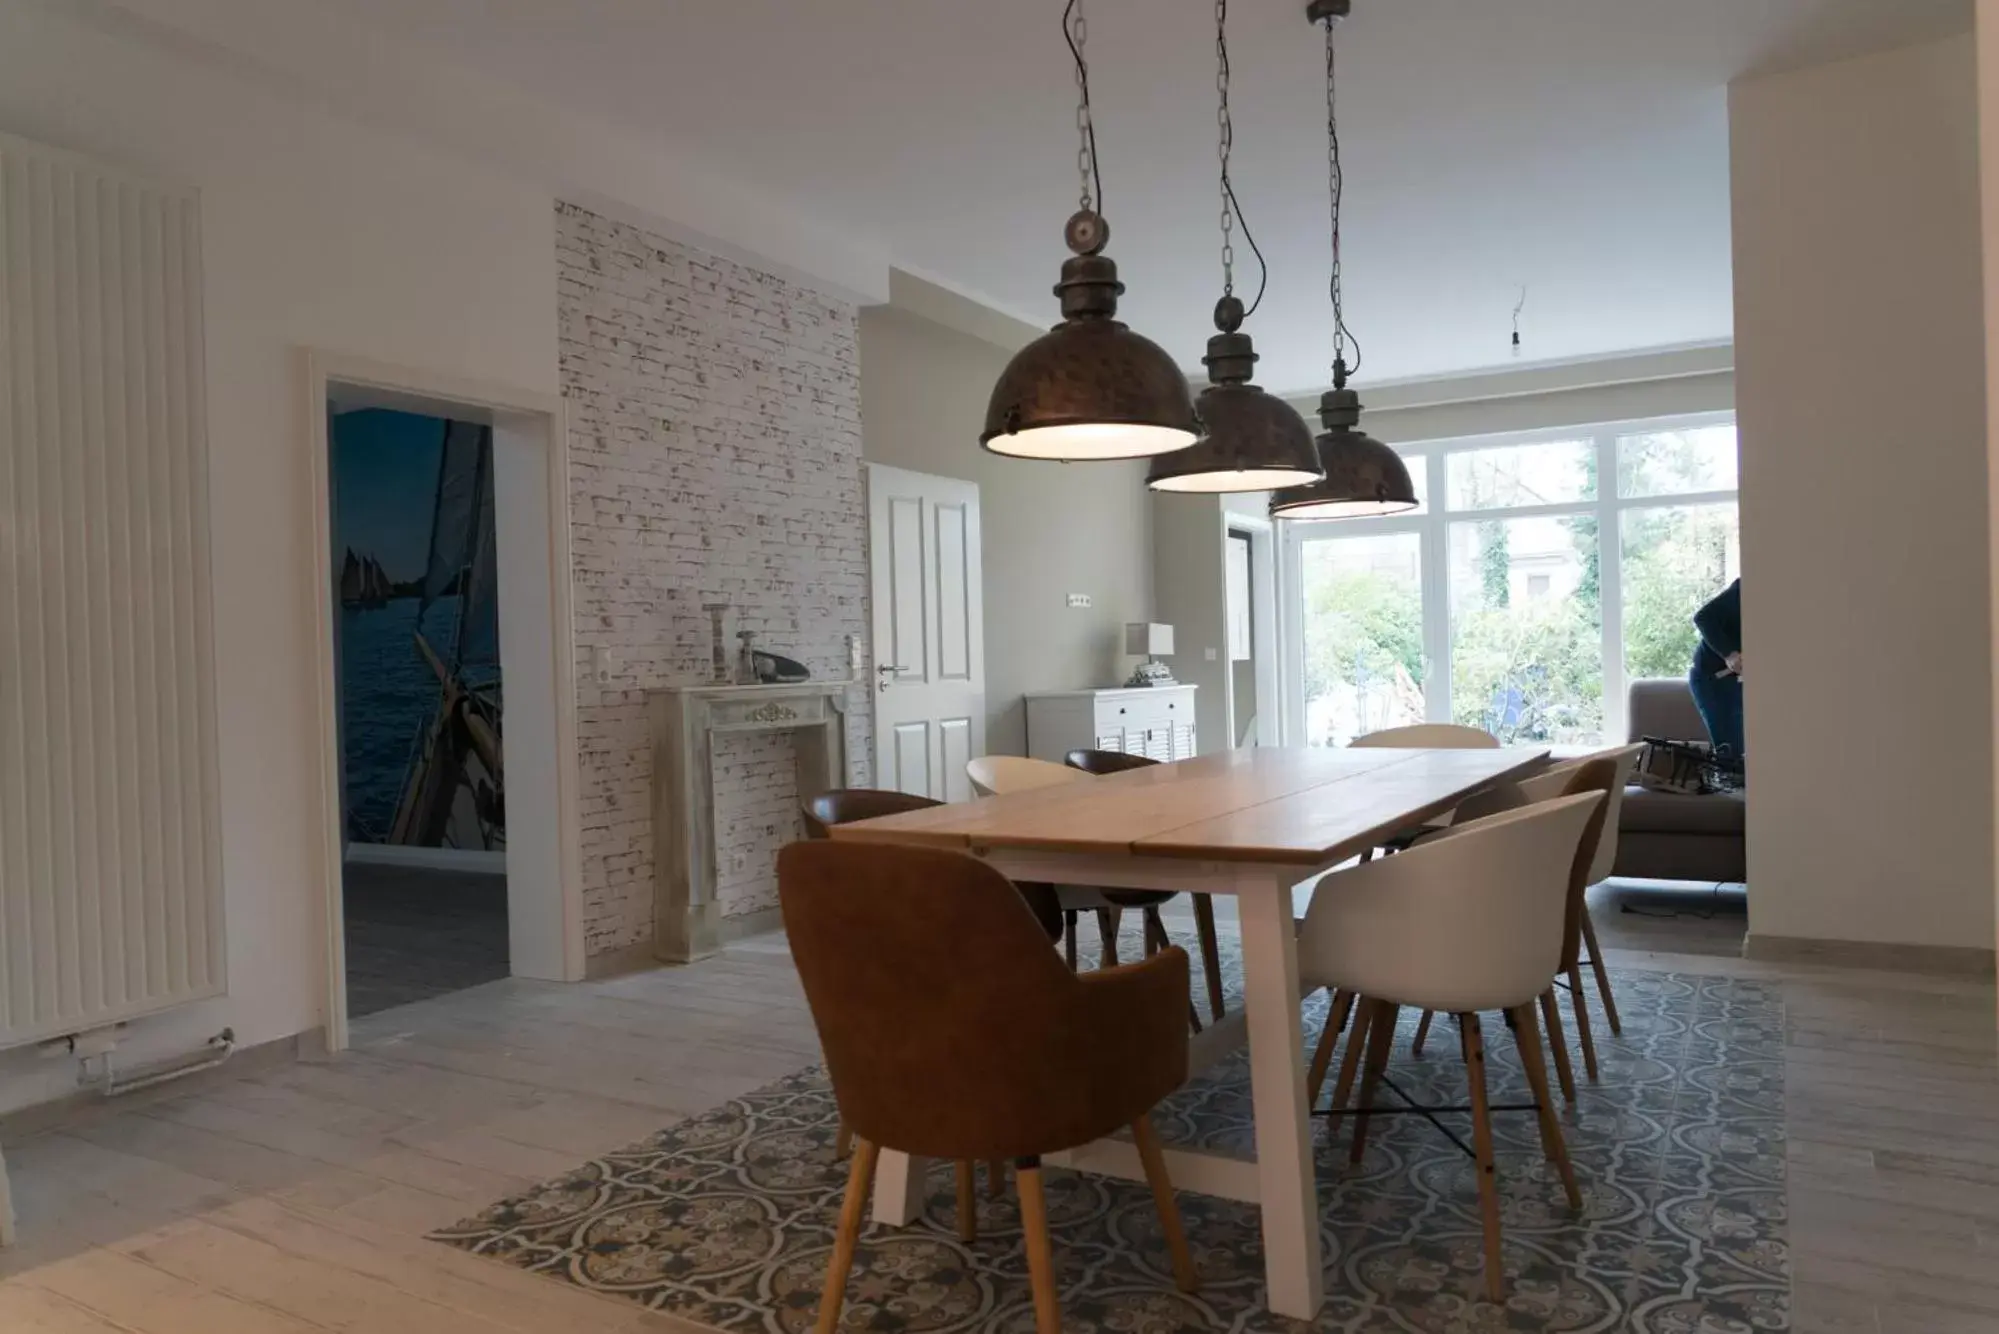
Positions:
{"x": 1557, "y": 568}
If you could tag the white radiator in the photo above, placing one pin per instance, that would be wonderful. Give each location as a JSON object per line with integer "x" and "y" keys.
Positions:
{"x": 110, "y": 876}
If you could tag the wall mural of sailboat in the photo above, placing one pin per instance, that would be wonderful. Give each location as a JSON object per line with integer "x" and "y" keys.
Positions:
{"x": 421, "y": 699}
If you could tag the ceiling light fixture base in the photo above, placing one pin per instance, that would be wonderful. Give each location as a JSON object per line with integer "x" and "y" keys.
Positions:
{"x": 1328, "y": 11}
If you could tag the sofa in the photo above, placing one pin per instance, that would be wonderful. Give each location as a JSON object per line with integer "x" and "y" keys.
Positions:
{"x": 1669, "y": 836}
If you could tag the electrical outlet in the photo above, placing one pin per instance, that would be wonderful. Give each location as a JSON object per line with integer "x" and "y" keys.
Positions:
{"x": 1079, "y": 599}
{"x": 1208, "y": 653}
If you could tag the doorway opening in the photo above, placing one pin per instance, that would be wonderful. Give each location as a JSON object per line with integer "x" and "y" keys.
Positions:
{"x": 448, "y": 687}
{"x": 421, "y": 705}
{"x": 1251, "y": 606}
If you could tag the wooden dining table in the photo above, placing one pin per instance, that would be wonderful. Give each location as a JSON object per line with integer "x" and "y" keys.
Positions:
{"x": 1253, "y": 824}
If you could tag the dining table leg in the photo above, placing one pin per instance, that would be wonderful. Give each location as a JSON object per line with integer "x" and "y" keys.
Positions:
{"x": 1288, "y": 1193}
{"x": 901, "y": 1188}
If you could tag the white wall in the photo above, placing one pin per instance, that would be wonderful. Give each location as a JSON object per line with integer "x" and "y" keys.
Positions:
{"x": 315, "y": 233}
{"x": 1860, "y": 383}
{"x": 1050, "y": 529}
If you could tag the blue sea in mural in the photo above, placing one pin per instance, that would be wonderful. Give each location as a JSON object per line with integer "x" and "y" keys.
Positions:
{"x": 388, "y": 696}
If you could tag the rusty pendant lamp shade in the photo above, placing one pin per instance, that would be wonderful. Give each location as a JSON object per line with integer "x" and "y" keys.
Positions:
{"x": 1090, "y": 388}
{"x": 1255, "y": 441}
{"x": 1363, "y": 476}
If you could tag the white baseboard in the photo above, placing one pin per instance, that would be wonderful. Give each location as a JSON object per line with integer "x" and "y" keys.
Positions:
{"x": 433, "y": 859}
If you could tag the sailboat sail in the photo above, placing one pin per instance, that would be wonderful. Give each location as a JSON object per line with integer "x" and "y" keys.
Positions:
{"x": 454, "y": 795}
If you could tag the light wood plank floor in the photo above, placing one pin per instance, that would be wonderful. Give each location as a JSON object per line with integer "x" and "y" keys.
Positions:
{"x": 293, "y": 1200}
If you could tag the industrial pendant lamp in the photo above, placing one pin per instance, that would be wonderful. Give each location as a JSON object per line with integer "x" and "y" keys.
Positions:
{"x": 1090, "y": 388}
{"x": 1254, "y": 442}
{"x": 1363, "y": 476}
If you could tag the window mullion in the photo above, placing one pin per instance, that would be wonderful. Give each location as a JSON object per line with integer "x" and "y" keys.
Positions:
{"x": 1436, "y": 595}
{"x": 1610, "y": 584}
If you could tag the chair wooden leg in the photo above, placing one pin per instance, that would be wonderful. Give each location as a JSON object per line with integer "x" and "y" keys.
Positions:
{"x": 853, "y": 1212}
{"x": 843, "y": 1139}
{"x": 1147, "y": 1139}
{"x": 1422, "y": 1033}
{"x": 1329, "y": 1038}
{"x": 1558, "y": 1043}
{"x": 1527, "y": 1036}
{"x": 1580, "y": 1008}
{"x": 1156, "y": 938}
{"x": 1040, "y": 1258}
{"x": 1363, "y": 1018}
{"x": 1069, "y": 916}
{"x": 995, "y": 1180}
{"x": 968, "y": 1202}
{"x": 1380, "y": 1044}
{"x": 1211, "y": 951}
{"x": 1109, "y": 922}
{"x": 1488, "y": 1174}
{"x": 1602, "y": 975}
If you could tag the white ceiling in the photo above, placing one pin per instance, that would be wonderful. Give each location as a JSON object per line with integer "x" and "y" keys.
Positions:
{"x": 1577, "y": 147}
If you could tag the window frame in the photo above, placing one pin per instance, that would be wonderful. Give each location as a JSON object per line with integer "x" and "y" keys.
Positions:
{"x": 1433, "y": 527}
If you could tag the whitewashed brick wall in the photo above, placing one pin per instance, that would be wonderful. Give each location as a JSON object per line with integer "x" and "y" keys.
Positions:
{"x": 715, "y": 455}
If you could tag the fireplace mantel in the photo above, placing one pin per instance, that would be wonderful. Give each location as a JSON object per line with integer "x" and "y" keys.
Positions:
{"x": 685, "y": 721}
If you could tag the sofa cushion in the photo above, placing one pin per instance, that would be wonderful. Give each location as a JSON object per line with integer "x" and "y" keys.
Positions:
{"x": 1664, "y": 709}
{"x": 1720, "y": 814}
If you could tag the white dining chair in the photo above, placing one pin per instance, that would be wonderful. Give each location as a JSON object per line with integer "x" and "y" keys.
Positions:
{"x": 1430, "y": 736}
{"x": 1463, "y": 924}
{"x": 993, "y": 775}
{"x": 1544, "y": 786}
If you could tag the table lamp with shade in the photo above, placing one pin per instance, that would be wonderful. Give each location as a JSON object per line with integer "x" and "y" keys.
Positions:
{"x": 1153, "y": 641}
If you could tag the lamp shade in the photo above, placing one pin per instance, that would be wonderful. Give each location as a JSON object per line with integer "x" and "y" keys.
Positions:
{"x": 1254, "y": 441}
{"x": 1363, "y": 476}
{"x": 1149, "y": 638}
{"x": 1090, "y": 388}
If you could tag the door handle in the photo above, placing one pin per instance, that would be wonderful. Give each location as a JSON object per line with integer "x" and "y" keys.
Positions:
{"x": 887, "y": 674}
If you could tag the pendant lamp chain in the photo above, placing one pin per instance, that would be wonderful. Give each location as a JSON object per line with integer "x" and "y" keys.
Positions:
{"x": 1226, "y": 126}
{"x": 1076, "y": 30}
{"x": 1336, "y": 183}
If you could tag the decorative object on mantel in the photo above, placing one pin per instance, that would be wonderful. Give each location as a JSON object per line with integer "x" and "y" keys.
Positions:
{"x": 1090, "y": 388}
{"x": 746, "y": 658}
{"x": 1255, "y": 441}
{"x": 1362, "y": 476}
{"x": 775, "y": 669}
{"x": 686, "y": 722}
{"x": 1153, "y": 640}
{"x": 718, "y": 644}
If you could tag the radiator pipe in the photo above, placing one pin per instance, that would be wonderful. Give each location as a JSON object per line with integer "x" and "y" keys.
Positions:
{"x": 218, "y": 1049}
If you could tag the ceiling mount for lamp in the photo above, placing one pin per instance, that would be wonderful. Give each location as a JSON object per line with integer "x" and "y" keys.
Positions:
{"x": 1254, "y": 442}
{"x": 1090, "y": 388}
{"x": 1362, "y": 475}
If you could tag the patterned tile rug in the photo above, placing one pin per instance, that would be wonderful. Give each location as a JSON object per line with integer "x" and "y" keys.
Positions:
{"x": 727, "y": 1218}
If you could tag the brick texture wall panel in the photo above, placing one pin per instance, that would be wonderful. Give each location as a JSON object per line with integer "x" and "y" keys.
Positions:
{"x": 715, "y": 455}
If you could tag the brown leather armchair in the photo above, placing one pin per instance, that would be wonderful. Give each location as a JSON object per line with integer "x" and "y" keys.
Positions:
{"x": 1100, "y": 763}
{"x": 989, "y": 1048}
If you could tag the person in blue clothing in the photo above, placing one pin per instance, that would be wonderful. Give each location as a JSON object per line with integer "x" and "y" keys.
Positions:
{"x": 1716, "y": 676}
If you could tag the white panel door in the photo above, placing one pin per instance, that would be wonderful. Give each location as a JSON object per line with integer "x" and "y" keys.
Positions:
{"x": 929, "y": 631}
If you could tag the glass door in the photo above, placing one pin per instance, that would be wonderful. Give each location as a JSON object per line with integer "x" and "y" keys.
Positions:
{"x": 1361, "y": 627}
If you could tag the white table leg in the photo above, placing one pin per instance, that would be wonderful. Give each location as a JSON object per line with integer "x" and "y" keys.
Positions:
{"x": 1291, "y": 1258}
{"x": 899, "y": 1188}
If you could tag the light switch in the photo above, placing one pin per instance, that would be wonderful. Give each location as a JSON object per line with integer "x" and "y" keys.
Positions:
{"x": 1208, "y": 653}
{"x": 1079, "y": 599}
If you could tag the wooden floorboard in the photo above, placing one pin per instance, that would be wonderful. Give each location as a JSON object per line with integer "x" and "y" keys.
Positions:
{"x": 294, "y": 1200}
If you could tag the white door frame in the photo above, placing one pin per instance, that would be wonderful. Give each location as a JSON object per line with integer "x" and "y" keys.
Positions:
{"x": 534, "y": 417}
